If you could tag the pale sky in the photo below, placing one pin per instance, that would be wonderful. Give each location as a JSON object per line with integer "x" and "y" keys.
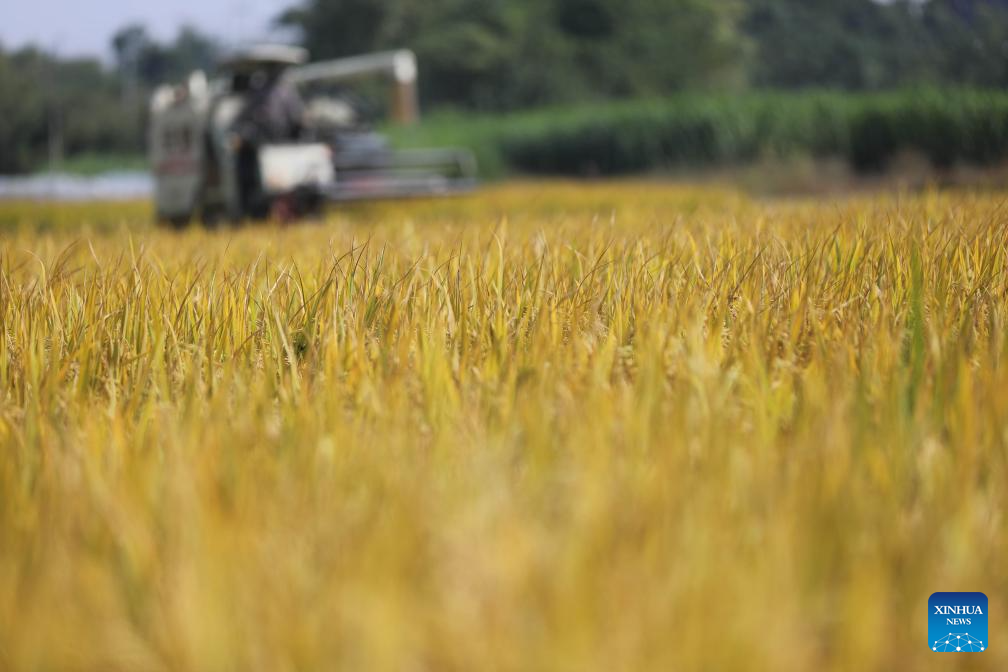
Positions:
{"x": 76, "y": 27}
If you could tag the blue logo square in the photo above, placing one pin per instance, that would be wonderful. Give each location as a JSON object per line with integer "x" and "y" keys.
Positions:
{"x": 957, "y": 623}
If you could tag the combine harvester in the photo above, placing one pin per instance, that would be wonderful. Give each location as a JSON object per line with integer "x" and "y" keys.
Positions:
{"x": 274, "y": 136}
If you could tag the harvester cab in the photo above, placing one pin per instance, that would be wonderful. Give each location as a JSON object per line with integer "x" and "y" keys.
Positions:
{"x": 271, "y": 135}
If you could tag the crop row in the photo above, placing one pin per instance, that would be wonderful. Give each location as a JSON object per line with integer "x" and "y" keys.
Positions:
{"x": 699, "y": 130}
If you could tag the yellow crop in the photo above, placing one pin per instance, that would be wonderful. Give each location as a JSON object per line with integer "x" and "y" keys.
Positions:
{"x": 617, "y": 426}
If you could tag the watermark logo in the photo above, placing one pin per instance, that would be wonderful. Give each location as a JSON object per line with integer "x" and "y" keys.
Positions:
{"x": 957, "y": 623}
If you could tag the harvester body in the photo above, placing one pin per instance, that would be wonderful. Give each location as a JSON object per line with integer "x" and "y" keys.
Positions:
{"x": 262, "y": 139}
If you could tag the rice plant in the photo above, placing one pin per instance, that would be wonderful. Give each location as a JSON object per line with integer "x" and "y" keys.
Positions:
{"x": 618, "y": 426}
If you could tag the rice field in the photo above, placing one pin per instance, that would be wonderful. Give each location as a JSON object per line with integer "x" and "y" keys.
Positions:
{"x": 550, "y": 426}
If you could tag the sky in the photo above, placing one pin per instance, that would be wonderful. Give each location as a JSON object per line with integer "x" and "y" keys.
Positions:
{"x": 84, "y": 27}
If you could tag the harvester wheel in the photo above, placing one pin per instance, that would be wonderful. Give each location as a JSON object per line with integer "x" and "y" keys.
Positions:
{"x": 177, "y": 222}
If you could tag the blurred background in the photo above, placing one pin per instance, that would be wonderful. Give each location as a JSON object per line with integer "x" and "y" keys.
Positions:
{"x": 560, "y": 87}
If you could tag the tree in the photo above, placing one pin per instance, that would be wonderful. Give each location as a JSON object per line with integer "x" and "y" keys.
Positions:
{"x": 866, "y": 44}
{"x": 504, "y": 54}
{"x": 72, "y": 102}
{"x": 854, "y": 44}
{"x": 967, "y": 40}
{"x": 144, "y": 62}
{"x": 333, "y": 28}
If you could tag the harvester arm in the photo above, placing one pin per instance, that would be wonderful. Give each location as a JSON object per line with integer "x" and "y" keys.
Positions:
{"x": 386, "y": 173}
{"x": 399, "y": 66}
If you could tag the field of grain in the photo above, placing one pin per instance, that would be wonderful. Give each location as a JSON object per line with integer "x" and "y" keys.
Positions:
{"x": 620, "y": 426}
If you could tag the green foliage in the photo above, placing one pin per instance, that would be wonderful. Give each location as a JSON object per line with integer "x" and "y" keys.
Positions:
{"x": 89, "y": 164}
{"x": 144, "y": 62}
{"x": 76, "y": 107}
{"x": 64, "y": 106}
{"x": 867, "y": 44}
{"x": 503, "y": 56}
{"x": 506, "y": 55}
{"x": 491, "y": 54}
{"x": 947, "y": 126}
{"x": 952, "y": 126}
{"x": 853, "y": 44}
